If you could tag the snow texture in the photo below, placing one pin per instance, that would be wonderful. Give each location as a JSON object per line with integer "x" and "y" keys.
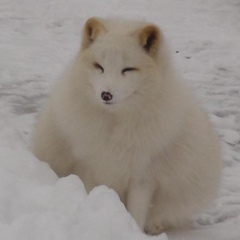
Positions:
{"x": 37, "y": 40}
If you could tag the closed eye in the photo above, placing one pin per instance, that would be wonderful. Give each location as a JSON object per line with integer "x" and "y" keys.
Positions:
{"x": 98, "y": 66}
{"x": 129, "y": 69}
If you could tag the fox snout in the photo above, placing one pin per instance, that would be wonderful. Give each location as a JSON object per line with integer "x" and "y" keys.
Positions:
{"x": 106, "y": 96}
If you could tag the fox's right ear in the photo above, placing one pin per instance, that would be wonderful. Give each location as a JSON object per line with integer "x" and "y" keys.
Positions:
{"x": 150, "y": 38}
{"x": 93, "y": 27}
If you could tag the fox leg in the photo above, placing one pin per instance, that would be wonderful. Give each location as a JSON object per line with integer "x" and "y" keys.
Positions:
{"x": 139, "y": 200}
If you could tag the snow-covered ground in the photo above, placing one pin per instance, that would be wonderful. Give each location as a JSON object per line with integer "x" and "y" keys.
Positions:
{"x": 37, "y": 40}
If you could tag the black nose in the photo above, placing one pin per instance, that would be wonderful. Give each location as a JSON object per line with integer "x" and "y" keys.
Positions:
{"x": 106, "y": 96}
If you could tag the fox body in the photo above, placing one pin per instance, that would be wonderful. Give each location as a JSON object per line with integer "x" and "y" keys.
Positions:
{"x": 121, "y": 117}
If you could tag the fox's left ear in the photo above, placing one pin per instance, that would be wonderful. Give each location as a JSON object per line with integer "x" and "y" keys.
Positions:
{"x": 92, "y": 29}
{"x": 150, "y": 38}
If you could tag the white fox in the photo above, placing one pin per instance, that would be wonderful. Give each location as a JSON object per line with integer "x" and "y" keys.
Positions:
{"x": 121, "y": 117}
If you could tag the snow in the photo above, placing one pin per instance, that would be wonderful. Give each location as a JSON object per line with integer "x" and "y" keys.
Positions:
{"x": 36, "y": 204}
{"x": 37, "y": 40}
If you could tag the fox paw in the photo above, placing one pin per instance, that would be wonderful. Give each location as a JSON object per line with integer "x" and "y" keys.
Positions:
{"x": 153, "y": 229}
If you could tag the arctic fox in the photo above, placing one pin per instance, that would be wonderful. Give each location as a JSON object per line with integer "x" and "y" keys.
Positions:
{"x": 121, "y": 117}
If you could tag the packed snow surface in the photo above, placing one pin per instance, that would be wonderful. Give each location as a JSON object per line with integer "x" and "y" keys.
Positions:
{"x": 37, "y": 40}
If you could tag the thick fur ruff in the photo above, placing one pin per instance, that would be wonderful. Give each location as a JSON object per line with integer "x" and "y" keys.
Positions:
{"x": 121, "y": 117}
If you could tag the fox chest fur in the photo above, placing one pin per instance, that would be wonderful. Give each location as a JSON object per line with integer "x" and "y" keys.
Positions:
{"x": 123, "y": 145}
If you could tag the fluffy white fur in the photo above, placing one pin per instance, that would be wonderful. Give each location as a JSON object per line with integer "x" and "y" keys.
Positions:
{"x": 154, "y": 145}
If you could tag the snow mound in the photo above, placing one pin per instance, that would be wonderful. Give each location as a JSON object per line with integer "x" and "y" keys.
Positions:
{"x": 36, "y": 204}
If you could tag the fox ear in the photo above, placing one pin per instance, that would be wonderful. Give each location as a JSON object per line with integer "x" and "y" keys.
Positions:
{"x": 150, "y": 38}
{"x": 93, "y": 27}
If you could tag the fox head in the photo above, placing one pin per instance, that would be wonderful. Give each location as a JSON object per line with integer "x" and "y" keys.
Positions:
{"x": 120, "y": 59}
